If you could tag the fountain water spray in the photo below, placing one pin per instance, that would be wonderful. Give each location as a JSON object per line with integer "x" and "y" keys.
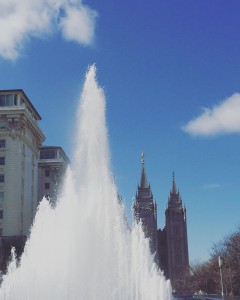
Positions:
{"x": 82, "y": 248}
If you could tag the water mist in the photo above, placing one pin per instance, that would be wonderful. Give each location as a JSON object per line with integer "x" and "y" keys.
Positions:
{"x": 82, "y": 248}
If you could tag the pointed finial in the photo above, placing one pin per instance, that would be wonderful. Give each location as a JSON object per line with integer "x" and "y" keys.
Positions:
{"x": 142, "y": 154}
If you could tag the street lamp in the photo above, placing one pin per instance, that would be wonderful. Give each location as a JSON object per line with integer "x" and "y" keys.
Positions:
{"x": 220, "y": 264}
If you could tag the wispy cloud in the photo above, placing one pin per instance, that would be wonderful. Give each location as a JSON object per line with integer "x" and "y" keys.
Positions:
{"x": 22, "y": 20}
{"x": 212, "y": 186}
{"x": 222, "y": 118}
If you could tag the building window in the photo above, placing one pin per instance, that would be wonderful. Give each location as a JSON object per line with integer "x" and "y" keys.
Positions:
{"x": 1, "y": 231}
{"x": 47, "y": 186}
{"x": 48, "y": 154}
{"x": 1, "y": 177}
{"x": 47, "y": 173}
{"x": 3, "y": 124}
{"x": 1, "y": 214}
{"x": 2, "y": 143}
{"x": 2, "y": 160}
{"x": 15, "y": 100}
{"x": 1, "y": 197}
{"x": 8, "y": 100}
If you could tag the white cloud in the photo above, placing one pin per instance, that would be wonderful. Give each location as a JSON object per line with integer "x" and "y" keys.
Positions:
{"x": 222, "y": 118}
{"x": 78, "y": 25}
{"x": 212, "y": 186}
{"x": 22, "y": 20}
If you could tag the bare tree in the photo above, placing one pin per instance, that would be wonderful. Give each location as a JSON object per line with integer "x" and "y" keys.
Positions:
{"x": 206, "y": 276}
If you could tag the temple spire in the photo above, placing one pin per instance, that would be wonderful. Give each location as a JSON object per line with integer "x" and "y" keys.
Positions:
{"x": 174, "y": 190}
{"x": 145, "y": 209}
{"x": 143, "y": 181}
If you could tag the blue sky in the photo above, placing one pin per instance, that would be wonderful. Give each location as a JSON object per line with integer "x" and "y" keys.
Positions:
{"x": 171, "y": 75}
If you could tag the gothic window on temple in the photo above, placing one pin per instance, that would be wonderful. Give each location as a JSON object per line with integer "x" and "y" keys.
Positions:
{"x": 178, "y": 259}
{"x": 177, "y": 246}
{"x": 176, "y": 230}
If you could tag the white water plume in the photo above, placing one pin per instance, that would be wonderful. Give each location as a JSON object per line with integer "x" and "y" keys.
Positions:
{"x": 82, "y": 248}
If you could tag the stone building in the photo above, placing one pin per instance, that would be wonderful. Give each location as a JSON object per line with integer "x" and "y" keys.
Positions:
{"x": 20, "y": 139}
{"x": 52, "y": 165}
{"x": 20, "y": 143}
{"x": 169, "y": 244}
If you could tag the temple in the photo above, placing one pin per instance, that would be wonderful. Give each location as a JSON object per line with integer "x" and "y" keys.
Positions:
{"x": 170, "y": 244}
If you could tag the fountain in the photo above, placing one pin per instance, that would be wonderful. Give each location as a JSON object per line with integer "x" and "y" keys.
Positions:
{"x": 83, "y": 248}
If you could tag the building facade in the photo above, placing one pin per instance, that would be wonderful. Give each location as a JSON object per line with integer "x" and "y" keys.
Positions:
{"x": 170, "y": 243}
{"x": 20, "y": 139}
{"x": 20, "y": 143}
{"x": 52, "y": 166}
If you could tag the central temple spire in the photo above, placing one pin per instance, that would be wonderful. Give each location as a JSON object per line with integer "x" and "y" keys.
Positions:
{"x": 143, "y": 180}
{"x": 174, "y": 189}
{"x": 145, "y": 209}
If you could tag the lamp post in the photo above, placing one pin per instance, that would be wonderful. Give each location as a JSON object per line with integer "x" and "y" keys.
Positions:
{"x": 220, "y": 264}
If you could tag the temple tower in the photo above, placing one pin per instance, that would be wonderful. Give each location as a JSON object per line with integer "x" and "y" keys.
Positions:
{"x": 145, "y": 209}
{"x": 176, "y": 230}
